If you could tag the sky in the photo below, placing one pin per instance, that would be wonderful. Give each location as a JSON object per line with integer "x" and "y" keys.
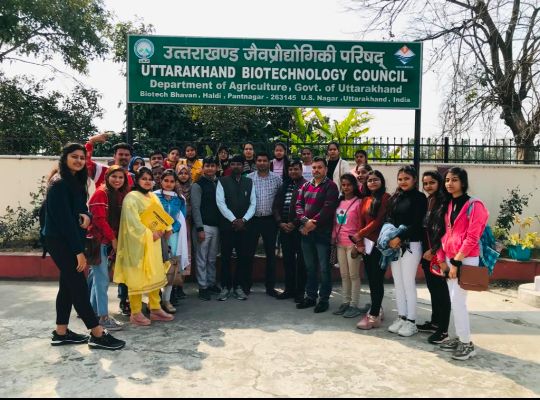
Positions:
{"x": 282, "y": 19}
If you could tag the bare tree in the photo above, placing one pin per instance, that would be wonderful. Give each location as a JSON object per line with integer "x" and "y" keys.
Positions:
{"x": 489, "y": 48}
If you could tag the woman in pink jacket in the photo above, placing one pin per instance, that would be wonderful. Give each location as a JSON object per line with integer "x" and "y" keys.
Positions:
{"x": 465, "y": 220}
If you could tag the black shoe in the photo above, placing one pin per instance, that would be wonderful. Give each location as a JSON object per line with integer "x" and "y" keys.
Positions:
{"x": 69, "y": 338}
{"x": 105, "y": 342}
{"x": 306, "y": 303}
{"x": 125, "y": 308}
{"x": 180, "y": 293}
{"x": 299, "y": 298}
{"x": 147, "y": 307}
{"x": 285, "y": 296}
{"x": 427, "y": 327}
{"x": 175, "y": 301}
{"x": 204, "y": 294}
{"x": 321, "y": 307}
{"x": 214, "y": 289}
{"x": 437, "y": 337}
{"x": 272, "y": 292}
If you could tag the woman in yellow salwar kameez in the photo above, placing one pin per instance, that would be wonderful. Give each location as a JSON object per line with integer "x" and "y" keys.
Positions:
{"x": 139, "y": 261}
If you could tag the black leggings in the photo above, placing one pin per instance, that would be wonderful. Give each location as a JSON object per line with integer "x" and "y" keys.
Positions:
{"x": 73, "y": 290}
{"x": 440, "y": 298}
{"x": 375, "y": 277}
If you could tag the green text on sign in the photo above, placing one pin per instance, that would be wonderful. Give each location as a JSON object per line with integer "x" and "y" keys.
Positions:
{"x": 274, "y": 72}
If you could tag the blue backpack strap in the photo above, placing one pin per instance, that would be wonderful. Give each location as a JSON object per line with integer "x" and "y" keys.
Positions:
{"x": 480, "y": 244}
{"x": 469, "y": 209}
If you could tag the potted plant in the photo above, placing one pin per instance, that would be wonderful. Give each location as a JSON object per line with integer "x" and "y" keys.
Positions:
{"x": 511, "y": 207}
{"x": 520, "y": 244}
{"x": 501, "y": 236}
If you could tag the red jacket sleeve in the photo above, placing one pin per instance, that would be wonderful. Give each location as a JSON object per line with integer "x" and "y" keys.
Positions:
{"x": 98, "y": 206}
{"x": 376, "y": 223}
{"x": 90, "y": 164}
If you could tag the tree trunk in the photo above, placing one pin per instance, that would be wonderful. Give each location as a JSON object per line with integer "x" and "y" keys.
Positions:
{"x": 524, "y": 131}
{"x": 526, "y": 151}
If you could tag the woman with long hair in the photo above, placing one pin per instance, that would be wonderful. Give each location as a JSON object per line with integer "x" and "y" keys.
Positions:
{"x": 372, "y": 215}
{"x": 280, "y": 163}
{"x": 248, "y": 151}
{"x": 105, "y": 206}
{"x": 66, "y": 221}
{"x": 192, "y": 161}
{"x": 173, "y": 156}
{"x": 346, "y": 223}
{"x": 407, "y": 208}
{"x": 434, "y": 226}
{"x": 336, "y": 165}
{"x": 139, "y": 261}
{"x": 465, "y": 219}
{"x": 177, "y": 242}
{"x": 361, "y": 176}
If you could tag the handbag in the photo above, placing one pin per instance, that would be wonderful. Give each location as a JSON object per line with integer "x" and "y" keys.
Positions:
{"x": 92, "y": 251}
{"x": 333, "y": 247}
{"x": 473, "y": 278}
{"x": 434, "y": 267}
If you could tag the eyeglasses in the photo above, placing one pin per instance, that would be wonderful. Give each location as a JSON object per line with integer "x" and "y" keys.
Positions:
{"x": 373, "y": 180}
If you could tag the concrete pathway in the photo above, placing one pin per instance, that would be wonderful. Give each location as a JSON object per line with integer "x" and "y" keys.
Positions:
{"x": 264, "y": 347}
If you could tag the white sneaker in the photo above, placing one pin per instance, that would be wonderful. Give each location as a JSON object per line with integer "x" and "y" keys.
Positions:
{"x": 408, "y": 329}
{"x": 396, "y": 326}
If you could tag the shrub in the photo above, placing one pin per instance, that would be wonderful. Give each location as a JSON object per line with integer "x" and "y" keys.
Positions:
{"x": 21, "y": 225}
{"x": 510, "y": 208}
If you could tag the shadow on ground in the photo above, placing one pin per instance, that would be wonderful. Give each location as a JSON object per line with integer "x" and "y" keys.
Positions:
{"x": 261, "y": 347}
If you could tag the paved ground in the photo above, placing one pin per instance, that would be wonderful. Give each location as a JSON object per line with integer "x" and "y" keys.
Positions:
{"x": 263, "y": 348}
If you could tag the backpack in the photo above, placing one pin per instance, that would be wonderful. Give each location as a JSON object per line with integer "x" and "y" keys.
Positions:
{"x": 488, "y": 254}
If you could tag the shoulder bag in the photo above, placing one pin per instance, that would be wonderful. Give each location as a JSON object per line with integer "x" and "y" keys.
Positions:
{"x": 473, "y": 278}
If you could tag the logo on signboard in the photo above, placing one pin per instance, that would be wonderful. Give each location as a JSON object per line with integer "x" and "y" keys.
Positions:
{"x": 405, "y": 55}
{"x": 144, "y": 49}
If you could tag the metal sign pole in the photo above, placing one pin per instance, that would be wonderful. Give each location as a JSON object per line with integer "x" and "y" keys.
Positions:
{"x": 129, "y": 131}
{"x": 417, "y": 136}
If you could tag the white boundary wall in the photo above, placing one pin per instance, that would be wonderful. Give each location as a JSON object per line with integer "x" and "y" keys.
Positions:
{"x": 487, "y": 182}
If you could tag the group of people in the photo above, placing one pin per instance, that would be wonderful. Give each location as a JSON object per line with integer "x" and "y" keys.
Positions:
{"x": 321, "y": 214}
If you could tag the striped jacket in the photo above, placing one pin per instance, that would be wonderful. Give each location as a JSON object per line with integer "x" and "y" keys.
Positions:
{"x": 318, "y": 202}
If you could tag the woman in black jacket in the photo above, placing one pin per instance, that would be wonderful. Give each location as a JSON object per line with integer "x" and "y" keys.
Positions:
{"x": 434, "y": 226}
{"x": 407, "y": 207}
{"x": 66, "y": 220}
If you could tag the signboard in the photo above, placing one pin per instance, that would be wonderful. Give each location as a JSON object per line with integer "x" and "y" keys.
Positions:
{"x": 274, "y": 72}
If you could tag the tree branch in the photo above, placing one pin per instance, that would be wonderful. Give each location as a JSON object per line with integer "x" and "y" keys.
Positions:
{"x": 52, "y": 67}
{"x": 512, "y": 25}
{"x": 21, "y": 42}
{"x": 461, "y": 4}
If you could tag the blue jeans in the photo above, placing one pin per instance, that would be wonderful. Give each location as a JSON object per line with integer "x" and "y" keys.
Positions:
{"x": 316, "y": 250}
{"x": 98, "y": 283}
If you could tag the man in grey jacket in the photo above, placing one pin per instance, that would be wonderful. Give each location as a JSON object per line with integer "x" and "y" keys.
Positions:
{"x": 206, "y": 218}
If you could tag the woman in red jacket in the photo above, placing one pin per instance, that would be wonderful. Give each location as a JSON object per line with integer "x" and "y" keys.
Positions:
{"x": 105, "y": 206}
{"x": 465, "y": 220}
{"x": 372, "y": 214}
